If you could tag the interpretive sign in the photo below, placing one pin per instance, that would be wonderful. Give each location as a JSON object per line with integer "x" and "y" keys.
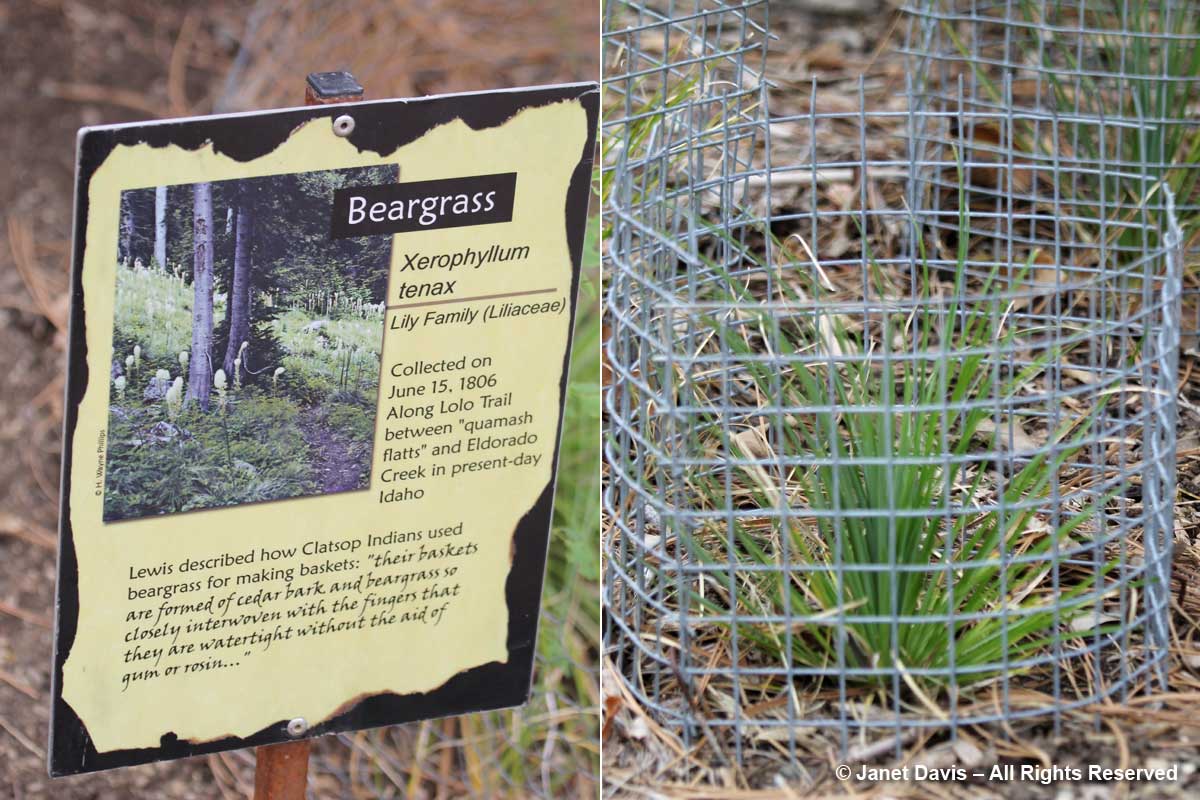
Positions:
{"x": 317, "y": 368}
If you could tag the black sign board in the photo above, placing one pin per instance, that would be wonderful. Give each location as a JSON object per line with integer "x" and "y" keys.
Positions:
{"x": 317, "y": 368}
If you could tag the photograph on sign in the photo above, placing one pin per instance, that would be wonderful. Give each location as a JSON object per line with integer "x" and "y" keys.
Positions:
{"x": 294, "y": 339}
{"x": 316, "y": 385}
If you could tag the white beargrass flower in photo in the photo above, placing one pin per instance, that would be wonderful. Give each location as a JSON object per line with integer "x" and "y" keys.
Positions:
{"x": 119, "y": 383}
{"x": 174, "y": 399}
{"x": 237, "y": 366}
{"x": 220, "y": 388}
{"x": 183, "y": 359}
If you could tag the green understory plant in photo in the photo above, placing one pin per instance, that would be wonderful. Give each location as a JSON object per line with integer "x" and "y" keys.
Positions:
{"x": 166, "y": 456}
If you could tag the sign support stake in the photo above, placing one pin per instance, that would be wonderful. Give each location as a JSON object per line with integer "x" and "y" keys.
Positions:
{"x": 281, "y": 770}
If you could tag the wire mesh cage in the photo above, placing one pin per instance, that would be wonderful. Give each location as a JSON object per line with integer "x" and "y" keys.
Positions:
{"x": 656, "y": 54}
{"x": 1116, "y": 60}
{"x": 875, "y": 463}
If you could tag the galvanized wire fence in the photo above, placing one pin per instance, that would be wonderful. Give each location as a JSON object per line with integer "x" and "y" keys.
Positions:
{"x": 882, "y": 457}
{"x": 1115, "y": 60}
{"x": 655, "y": 55}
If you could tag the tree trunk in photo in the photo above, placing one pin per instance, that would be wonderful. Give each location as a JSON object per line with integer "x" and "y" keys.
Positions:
{"x": 239, "y": 290}
{"x": 200, "y": 368}
{"x": 125, "y": 233}
{"x": 160, "y": 226}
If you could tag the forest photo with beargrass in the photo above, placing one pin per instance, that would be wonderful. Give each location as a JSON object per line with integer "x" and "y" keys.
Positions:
{"x": 246, "y": 345}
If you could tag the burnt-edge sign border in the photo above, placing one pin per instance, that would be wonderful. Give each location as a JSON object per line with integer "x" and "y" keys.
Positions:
{"x": 381, "y": 126}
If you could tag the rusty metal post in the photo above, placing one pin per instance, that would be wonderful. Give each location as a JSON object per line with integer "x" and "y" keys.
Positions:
{"x": 281, "y": 770}
{"x": 323, "y": 88}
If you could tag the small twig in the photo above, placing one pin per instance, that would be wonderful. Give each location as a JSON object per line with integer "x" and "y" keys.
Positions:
{"x": 697, "y": 713}
{"x": 12, "y": 525}
{"x": 416, "y": 775}
{"x": 35, "y": 461}
{"x": 18, "y": 684}
{"x": 869, "y": 752}
{"x": 396, "y": 778}
{"x": 20, "y": 243}
{"x": 177, "y": 70}
{"x": 241, "y": 780}
{"x": 548, "y": 746}
{"x": 446, "y": 762}
{"x": 15, "y": 732}
{"x": 96, "y": 93}
{"x": 27, "y": 616}
{"x": 805, "y": 177}
{"x": 219, "y": 770}
{"x": 1123, "y": 750}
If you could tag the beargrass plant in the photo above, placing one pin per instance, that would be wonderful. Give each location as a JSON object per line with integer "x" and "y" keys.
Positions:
{"x": 648, "y": 107}
{"x": 1156, "y": 44}
{"x": 653, "y": 105}
{"x": 898, "y": 519}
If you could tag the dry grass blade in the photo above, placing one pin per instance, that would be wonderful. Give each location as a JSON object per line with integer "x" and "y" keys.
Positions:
{"x": 12, "y": 525}
{"x": 21, "y": 243}
{"x": 20, "y": 685}
{"x": 21, "y": 738}
{"x": 39, "y": 620}
{"x": 108, "y": 95}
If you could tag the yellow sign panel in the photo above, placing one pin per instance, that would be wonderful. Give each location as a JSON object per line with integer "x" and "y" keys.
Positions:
{"x": 315, "y": 394}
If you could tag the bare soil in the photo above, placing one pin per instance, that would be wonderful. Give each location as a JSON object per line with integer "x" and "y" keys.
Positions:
{"x": 334, "y": 467}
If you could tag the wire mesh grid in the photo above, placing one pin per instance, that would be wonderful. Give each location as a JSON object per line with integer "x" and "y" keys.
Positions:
{"x": 656, "y": 54}
{"x": 876, "y": 463}
{"x": 1132, "y": 60}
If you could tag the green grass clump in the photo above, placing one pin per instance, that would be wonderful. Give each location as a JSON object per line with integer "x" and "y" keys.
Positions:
{"x": 896, "y": 518}
{"x": 341, "y": 355}
{"x": 1156, "y": 44}
{"x": 154, "y": 310}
